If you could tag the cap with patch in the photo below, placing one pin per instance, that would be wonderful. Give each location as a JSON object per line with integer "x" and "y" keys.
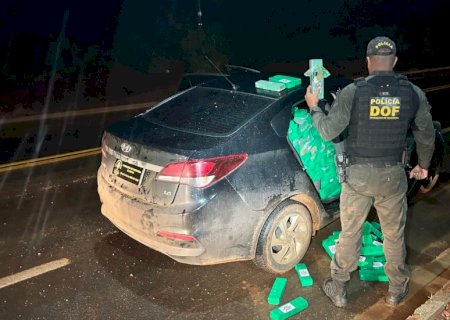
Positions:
{"x": 381, "y": 46}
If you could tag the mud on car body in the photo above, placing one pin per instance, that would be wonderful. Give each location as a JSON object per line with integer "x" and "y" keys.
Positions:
{"x": 208, "y": 176}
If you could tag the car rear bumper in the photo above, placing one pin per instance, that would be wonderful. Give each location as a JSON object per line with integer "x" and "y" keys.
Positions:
{"x": 137, "y": 220}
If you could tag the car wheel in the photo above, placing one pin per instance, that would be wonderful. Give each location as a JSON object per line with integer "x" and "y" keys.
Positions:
{"x": 284, "y": 238}
{"x": 436, "y": 160}
{"x": 422, "y": 186}
{"x": 431, "y": 182}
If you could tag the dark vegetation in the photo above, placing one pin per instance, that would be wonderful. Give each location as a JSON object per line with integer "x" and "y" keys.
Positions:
{"x": 54, "y": 52}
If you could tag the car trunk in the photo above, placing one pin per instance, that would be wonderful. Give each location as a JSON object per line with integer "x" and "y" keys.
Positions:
{"x": 135, "y": 151}
{"x": 142, "y": 155}
{"x": 315, "y": 155}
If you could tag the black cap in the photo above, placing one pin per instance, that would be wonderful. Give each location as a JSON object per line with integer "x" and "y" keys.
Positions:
{"x": 381, "y": 46}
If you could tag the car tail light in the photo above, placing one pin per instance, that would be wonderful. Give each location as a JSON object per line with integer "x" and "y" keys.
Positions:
{"x": 175, "y": 236}
{"x": 203, "y": 172}
{"x": 104, "y": 144}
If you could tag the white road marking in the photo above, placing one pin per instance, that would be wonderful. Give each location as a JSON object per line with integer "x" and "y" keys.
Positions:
{"x": 33, "y": 272}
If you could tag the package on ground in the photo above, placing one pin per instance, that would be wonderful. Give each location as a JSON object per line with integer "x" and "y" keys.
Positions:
{"x": 289, "y": 309}
{"x": 303, "y": 275}
{"x": 277, "y": 291}
{"x": 372, "y": 260}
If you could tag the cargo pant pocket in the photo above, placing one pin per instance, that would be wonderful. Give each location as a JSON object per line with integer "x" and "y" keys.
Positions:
{"x": 393, "y": 181}
{"x": 358, "y": 177}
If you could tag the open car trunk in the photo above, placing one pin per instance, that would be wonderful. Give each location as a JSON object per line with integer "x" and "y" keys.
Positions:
{"x": 316, "y": 155}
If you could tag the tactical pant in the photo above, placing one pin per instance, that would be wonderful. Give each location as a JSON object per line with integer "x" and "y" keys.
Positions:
{"x": 385, "y": 188}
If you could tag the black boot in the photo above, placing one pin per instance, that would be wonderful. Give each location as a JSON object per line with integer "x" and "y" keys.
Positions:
{"x": 336, "y": 291}
{"x": 395, "y": 298}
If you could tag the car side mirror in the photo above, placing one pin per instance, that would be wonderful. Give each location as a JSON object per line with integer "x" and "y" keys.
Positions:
{"x": 333, "y": 94}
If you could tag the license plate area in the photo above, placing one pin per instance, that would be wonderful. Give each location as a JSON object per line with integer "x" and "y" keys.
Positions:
{"x": 128, "y": 172}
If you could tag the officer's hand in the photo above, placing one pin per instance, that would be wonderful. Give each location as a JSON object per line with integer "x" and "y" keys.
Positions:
{"x": 418, "y": 173}
{"x": 312, "y": 99}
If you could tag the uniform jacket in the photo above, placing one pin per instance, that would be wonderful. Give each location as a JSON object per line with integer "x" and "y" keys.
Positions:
{"x": 340, "y": 115}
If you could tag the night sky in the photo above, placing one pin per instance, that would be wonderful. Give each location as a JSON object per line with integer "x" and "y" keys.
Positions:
{"x": 88, "y": 20}
{"x": 155, "y": 36}
{"x": 257, "y": 33}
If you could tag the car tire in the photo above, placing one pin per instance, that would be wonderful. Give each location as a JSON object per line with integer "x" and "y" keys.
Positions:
{"x": 284, "y": 238}
{"x": 425, "y": 186}
{"x": 430, "y": 183}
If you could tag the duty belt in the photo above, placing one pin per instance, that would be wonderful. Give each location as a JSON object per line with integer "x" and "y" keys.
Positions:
{"x": 374, "y": 162}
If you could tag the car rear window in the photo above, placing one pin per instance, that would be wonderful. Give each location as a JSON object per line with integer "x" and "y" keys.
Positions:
{"x": 208, "y": 111}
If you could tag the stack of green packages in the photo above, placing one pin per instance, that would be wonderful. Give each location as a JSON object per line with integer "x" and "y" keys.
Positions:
{"x": 372, "y": 260}
{"x": 316, "y": 154}
{"x": 329, "y": 244}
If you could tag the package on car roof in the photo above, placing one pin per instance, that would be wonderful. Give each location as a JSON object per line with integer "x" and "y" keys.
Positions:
{"x": 288, "y": 81}
{"x": 278, "y": 83}
{"x": 270, "y": 85}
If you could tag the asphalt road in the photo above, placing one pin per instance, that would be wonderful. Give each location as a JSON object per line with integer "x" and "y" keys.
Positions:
{"x": 48, "y": 134}
{"x": 51, "y": 214}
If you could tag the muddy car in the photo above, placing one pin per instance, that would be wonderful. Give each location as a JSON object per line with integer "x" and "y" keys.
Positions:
{"x": 209, "y": 176}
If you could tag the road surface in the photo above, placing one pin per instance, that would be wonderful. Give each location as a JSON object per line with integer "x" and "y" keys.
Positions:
{"x": 61, "y": 259}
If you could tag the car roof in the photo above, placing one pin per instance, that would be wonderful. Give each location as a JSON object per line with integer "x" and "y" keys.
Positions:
{"x": 220, "y": 106}
{"x": 245, "y": 83}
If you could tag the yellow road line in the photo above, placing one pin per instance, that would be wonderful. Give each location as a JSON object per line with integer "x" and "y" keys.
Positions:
{"x": 425, "y": 70}
{"x": 49, "y": 159}
{"x": 82, "y": 112}
{"x": 88, "y": 152}
{"x": 33, "y": 272}
{"x": 146, "y": 105}
{"x": 446, "y": 86}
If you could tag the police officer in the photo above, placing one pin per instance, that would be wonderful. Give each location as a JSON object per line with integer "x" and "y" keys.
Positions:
{"x": 377, "y": 110}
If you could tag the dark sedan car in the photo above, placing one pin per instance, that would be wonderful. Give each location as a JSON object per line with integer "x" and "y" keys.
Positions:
{"x": 208, "y": 176}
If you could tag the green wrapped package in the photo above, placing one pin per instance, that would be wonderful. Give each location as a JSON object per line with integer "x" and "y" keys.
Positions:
{"x": 316, "y": 154}
{"x": 371, "y": 261}
{"x": 289, "y": 82}
{"x": 276, "y": 293}
{"x": 316, "y": 74}
{"x": 330, "y": 246}
{"x": 289, "y": 309}
{"x": 303, "y": 275}
{"x": 377, "y": 274}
